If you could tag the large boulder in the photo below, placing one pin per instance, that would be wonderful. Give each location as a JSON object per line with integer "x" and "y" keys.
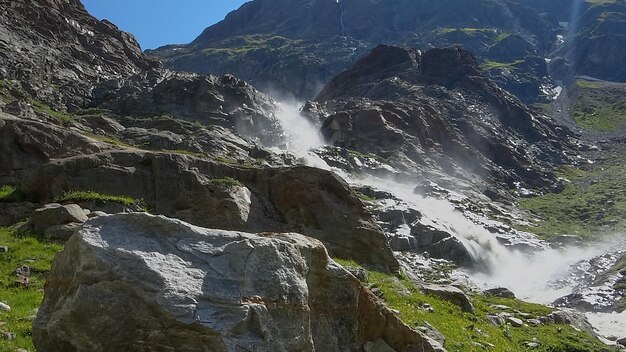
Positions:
{"x": 136, "y": 282}
{"x": 55, "y": 221}
{"x": 452, "y": 294}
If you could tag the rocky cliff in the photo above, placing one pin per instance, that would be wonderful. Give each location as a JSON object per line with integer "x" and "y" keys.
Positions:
{"x": 164, "y": 137}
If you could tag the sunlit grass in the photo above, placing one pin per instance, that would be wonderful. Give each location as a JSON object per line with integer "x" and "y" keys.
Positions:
{"x": 24, "y": 301}
{"x": 466, "y": 332}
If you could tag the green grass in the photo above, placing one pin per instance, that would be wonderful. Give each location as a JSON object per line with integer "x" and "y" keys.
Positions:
{"x": 599, "y": 108}
{"x": 462, "y": 330}
{"x": 489, "y": 65}
{"x": 601, "y": 2}
{"x": 89, "y": 112}
{"x": 249, "y": 164}
{"x": 364, "y": 197}
{"x": 98, "y": 198}
{"x": 38, "y": 255}
{"x": 467, "y": 31}
{"x": 226, "y": 182}
{"x": 41, "y": 107}
{"x": 6, "y": 192}
{"x": 587, "y": 84}
{"x": 594, "y": 202}
{"x": 9, "y": 193}
{"x": 360, "y": 155}
{"x": 110, "y": 140}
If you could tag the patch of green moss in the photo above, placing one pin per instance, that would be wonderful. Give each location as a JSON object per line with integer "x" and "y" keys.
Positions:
{"x": 41, "y": 107}
{"x": 360, "y": 155}
{"x": 109, "y": 140}
{"x": 226, "y": 181}
{"x": 240, "y": 163}
{"x": 594, "y": 202}
{"x": 89, "y": 112}
{"x": 242, "y": 44}
{"x": 364, "y": 197}
{"x": 466, "y": 332}
{"x": 186, "y": 152}
{"x": 466, "y": 30}
{"x": 6, "y": 191}
{"x": 9, "y": 193}
{"x": 601, "y": 2}
{"x": 587, "y": 84}
{"x": 23, "y": 300}
{"x": 490, "y": 65}
{"x": 98, "y": 198}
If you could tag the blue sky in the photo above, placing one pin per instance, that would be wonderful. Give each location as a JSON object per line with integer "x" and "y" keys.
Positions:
{"x": 158, "y": 22}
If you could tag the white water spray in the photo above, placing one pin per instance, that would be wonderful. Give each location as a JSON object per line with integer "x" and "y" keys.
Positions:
{"x": 541, "y": 278}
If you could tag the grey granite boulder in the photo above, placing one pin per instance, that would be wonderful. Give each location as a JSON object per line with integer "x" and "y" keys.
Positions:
{"x": 137, "y": 282}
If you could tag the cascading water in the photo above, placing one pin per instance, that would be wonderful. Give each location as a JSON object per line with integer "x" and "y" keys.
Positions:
{"x": 341, "y": 22}
{"x": 541, "y": 277}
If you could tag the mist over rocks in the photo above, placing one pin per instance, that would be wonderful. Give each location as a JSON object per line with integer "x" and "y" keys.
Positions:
{"x": 170, "y": 285}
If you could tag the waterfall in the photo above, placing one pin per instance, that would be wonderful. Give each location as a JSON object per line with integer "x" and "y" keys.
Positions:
{"x": 541, "y": 277}
{"x": 343, "y": 26}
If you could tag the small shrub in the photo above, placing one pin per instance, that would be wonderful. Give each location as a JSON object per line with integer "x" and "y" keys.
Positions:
{"x": 98, "y": 198}
{"x": 226, "y": 181}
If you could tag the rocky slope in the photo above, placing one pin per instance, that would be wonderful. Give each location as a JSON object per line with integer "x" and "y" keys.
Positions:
{"x": 295, "y": 46}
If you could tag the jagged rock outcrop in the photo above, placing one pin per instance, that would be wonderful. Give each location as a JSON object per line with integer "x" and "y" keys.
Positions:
{"x": 168, "y": 285}
{"x": 299, "y": 199}
{"x": 25, "y": 145}
{"x": 213, "y": 101}
{"x": 435, "y": 109}
{"x": 85, "y": 51}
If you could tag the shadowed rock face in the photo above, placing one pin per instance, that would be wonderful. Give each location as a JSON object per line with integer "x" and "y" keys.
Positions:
{"x": 157, "y": 284}
{"x": 434, "y": 109}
